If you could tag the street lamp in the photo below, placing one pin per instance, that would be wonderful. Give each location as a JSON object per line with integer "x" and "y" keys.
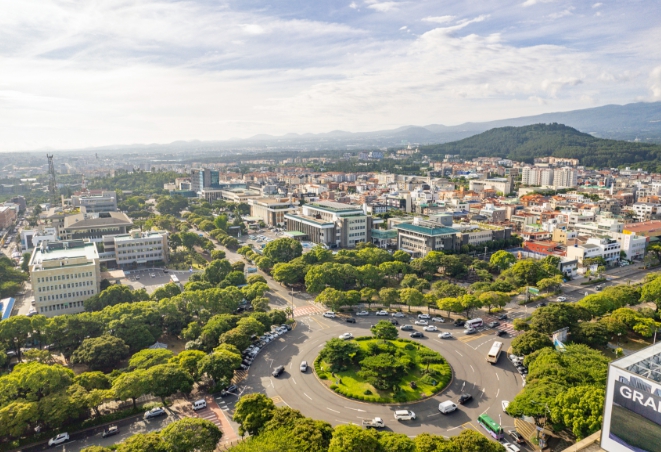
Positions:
{"x": 620, "y": 334}
{"x": 545, "y": 418}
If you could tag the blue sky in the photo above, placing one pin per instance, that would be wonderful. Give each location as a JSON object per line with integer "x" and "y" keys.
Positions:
{"x": 77, "y": 73}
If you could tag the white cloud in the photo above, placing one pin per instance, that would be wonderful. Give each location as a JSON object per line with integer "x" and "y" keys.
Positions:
{"x": 92, "y": 73}
{"x": 655, "y": 85}
{"x": 535, "y": 2}
{"x": 353, "y": 5}
{"x": 253, "y": 29}
{"x": 597, "y": 5}
{"x": 563, "y": 13}
{"x": 384, "y": 7}
{"x": 439, "y": 19}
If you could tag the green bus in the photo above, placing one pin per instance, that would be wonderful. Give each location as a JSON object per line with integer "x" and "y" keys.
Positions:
{"x": 491, "y": 426}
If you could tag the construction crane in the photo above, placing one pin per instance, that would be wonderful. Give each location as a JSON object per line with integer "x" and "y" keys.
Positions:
{"x": 52, "y": 185}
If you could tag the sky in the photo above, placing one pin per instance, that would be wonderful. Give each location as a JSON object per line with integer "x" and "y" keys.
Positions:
{"x": 82, "y": 73}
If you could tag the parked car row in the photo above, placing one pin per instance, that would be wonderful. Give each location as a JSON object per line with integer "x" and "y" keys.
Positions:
{"x": 250, "y": 354}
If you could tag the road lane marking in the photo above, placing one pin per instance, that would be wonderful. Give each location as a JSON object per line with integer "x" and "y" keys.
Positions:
{"x": 283, "y": 348}
{"x": 472, "y": 367}
{"x": 343, "y": 422}
{"x": 355, "y": 409}
{"x": 459, "y": 353}
{"x": 334, "y": 411}
{"x": 271, "y": 382}
{"x": 497, "y": 376}
{"x": 435, "y": 414}
{"x": 294, "y": 380}
{"x": 497, "y": 392}
{"x": 307, "y": 396}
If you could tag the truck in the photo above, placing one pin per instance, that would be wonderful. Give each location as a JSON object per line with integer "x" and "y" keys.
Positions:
{"x": 377, "y": 422}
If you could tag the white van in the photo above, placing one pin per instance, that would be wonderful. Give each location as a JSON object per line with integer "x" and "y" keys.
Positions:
{"x": 404, "y": 415}
{"x": 474, "y": 323}
{"x": 447, "y": 407}
{"x": 199, "y": 404}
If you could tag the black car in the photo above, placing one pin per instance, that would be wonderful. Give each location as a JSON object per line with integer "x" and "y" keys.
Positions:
{"x": 459, "y": 322}
{"x": 541, "y": 305}
{"x": 394, "y": 322}
{"x": 502, "y": 317}
{"x": 277, "y": 371}
{"x": 417, "y": 334}
{"x": 501, "y": 333}
{"x": 464, "y": 398}
{"x": 350, "y": 320}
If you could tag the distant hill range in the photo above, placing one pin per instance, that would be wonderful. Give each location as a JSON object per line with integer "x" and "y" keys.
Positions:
{"x": 640, "y": 121}
{"x": 542, "y": 140}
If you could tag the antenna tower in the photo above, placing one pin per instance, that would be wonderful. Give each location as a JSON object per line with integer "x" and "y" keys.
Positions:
{"x": 52, "y": 186}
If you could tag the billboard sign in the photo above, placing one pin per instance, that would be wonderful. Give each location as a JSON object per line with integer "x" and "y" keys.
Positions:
{"x": 632, "y": 412}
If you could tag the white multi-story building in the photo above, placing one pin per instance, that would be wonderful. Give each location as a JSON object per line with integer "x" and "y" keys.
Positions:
{"x": 565, "y": 177}
{"x": 63, "y": 275}
{"x": 536, "y": 176}
{"x": 633, "y": 245}
{"x": 139, "y": 248}
{"x": 646, "y": 211}
{"x": 271, "y": 210}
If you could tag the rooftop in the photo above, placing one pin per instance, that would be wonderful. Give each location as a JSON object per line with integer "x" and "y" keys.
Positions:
{"x": 57, "y": 251}
{"x": 426, "y": 230}
{"x": 645, "y": 363}
{"x": 333, "y": 206}
{"x": 92, "y": 220}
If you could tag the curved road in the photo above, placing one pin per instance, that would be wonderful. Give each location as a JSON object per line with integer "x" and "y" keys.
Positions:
{"x": 488, "y": 384}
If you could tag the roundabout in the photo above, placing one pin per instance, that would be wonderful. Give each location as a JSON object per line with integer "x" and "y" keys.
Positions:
{"x": 382, "y": 370}
{"x": 489, "y": 385}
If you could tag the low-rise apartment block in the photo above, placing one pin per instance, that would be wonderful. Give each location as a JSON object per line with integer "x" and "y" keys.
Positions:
{"x": 63, "y": 275}
{"x": 139, "y": 248}
{"x": 421, "y": 237}
{"x": 271, "y": 210}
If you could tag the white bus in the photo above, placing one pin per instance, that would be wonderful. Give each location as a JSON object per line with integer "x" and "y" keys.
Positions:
{"x": 494, "y": 353}
{"x": 174, "y": 279}
{"x": 474, "y": 323}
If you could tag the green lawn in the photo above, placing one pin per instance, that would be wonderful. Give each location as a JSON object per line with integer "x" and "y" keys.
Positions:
{"x": 349, "y": 384}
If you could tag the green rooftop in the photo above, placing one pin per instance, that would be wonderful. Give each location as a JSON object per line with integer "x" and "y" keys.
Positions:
{"x": 425, "y": 230}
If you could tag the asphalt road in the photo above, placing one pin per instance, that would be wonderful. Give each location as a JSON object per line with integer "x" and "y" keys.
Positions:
{"x": 489, "y": 385}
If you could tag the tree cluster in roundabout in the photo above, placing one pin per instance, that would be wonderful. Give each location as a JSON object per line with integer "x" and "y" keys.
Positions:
{"x": 382, "y": 369}
{"x": 283, "y": 429}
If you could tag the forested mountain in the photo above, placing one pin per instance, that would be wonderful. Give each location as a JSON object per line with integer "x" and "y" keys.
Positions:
{"x": 542, "y": 140}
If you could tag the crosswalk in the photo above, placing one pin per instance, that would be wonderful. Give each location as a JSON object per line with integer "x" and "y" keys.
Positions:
{"x": 504, "y": 325}
{"x": 307, "y": 310}
{"x": 209, "y": 415}
{"x": 222, "y": 404}
{"x": 239, "y": 376}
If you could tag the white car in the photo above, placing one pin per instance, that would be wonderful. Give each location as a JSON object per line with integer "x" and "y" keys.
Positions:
{"x": 430, "y": 328}
{"x": 404, "y": 415}
{"x": 445, "y": 335}
{"x": 438, "y": 319}
{"x": 505, "y": 404}
{"x": 59, "y": 439}
{"x": 329, "y": 314}
{"x": 421, "y": 322}
{"x": 346, "y": 336}
{"x": 382, "y": 313}
{"x": 424, "y": 316}
{"x": 398, "y": 314}
{"x": 511, "y": 447}
{"x": 561, "y": 298}
{"x": 362, "y": 313}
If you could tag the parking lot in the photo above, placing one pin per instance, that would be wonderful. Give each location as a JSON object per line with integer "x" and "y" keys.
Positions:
{"x": 260, "y": 238}
{"x": 153, "y": 278}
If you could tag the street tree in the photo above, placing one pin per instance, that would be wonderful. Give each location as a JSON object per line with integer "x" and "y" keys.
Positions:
{"x": 449, "y": 305}
{"x": 396, "y": 442}
{"x": 131, "y": 385}
{"x": 217, "y": 270}
{"x": 411, "y": 297}
{"x": 252, "y": 412}
{"x": 332, "y": 298}
{"x": 530, "y": 341}
{"x": 92, "y": 380}
{"x": 190, "y": 434}
{"x": 493, "y": 299}
{"x": 17, "y": 417}
{"x": 384, "y": 330}
{"x": 143, "y": 442}
{"x": 401, "y": 256}
{"x": 144, "y": 359}
{"x": 168, "y": 379}
{"x": 283, "y": 250}
{"x": 220, "y": 366}
{"x": 579, "y": 409}
{"x": 350, "y": 437}
{"x": 388, "y": 296}
{"x": 289, "y": 273}
{"x": 338, "y": 353}
{"x": 236, "y": 337}
{"x": 383, "y": 371}
{"x": 502, "y": 260}
{"x": 473, "y": 441}
{"x": 14, "y": 333}
{"x": 103, "y": 352}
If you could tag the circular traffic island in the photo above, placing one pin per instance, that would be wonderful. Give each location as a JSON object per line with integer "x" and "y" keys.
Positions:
{"x": 382, "y": 370}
